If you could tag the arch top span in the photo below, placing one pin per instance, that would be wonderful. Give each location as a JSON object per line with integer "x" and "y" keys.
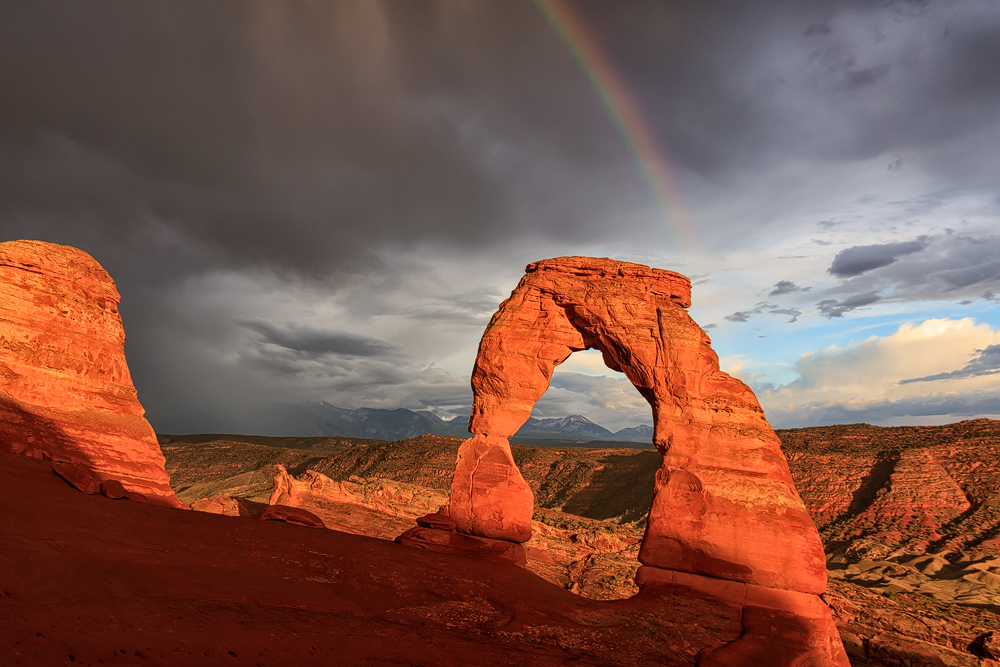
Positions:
{"x": 675, "y": 286}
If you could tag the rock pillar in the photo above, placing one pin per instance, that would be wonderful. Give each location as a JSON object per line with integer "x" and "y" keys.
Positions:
{"x": 65, "y": 390}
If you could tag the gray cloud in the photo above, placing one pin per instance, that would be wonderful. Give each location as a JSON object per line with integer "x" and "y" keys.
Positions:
{"x": 866, "y": 76}
{"x": 786, "y": 287}
{"x": 987, "y": 363}
{"x": 321, "y": 342}
{"x": 834, "y": 308}
{"x": 949, "y": 266}
{"x": 859, "y": 259}
{"x": 766, "y": 309}
{"x": 469, "y": 308}
{"x": 971, "y": 275}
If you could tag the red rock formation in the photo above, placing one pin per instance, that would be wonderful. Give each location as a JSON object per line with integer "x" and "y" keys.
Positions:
{"x": 295, "y": 515}
{"x": 436, "y": 532}
{"x": 879, "y": 492}
{"x": 229, "y": 506}
{"x": 724, "y": 504}
{"x": 489, "y": 497}
{"x": 112, "y": 488}
{"x": 780, "y": 627}
{"x": 66, "y": 393}
{"x": 79, "y": 477}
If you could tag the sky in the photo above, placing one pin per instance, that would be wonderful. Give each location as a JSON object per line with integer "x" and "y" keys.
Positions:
{"x": 305, "y": 201}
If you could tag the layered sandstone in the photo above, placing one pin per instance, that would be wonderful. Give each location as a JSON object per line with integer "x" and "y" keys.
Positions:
{"x": 724, "y": 505}
{"x": 903, "y": 491}
{"x": 66, "y": 393}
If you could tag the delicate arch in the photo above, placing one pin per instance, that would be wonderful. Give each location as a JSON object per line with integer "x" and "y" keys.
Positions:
{"x": 725, "y": 523}
{"x": 724, "y": 504}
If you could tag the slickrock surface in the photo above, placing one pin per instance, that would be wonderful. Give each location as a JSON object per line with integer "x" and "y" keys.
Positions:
{"x": 437, "y": 532}
{"x": 888, "y": 630}
{"x": 295, "y": 515}
{"x": 66, "y": 394}
{"x": 87, "y": 580}
{"x": 911, "y": 521}
{"x": 381, "y": 488}
{"x": 378, "y": 508}
{"x": 724, "y": 506}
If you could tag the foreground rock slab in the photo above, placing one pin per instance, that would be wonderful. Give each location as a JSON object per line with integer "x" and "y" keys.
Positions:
{"x": 89, "y": 580}
{"x": 436, "y": 532}
{"x": 65, "y": 390}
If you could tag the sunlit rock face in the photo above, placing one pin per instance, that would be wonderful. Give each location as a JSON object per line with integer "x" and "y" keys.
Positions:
{"x": 65, "y": 389}
{"x": 724, "y": 505}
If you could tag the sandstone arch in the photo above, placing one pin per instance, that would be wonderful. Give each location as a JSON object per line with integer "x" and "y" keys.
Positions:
{"x": 724, "y": 503}
{"x": 725, "y": 521}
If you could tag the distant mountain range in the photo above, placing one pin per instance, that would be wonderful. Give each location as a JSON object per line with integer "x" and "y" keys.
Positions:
{"x": 322, "y": 419}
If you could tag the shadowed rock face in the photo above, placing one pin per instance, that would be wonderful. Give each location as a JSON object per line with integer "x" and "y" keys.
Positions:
{"x": 65, "y": 389}
{"x": 724, "y": 506}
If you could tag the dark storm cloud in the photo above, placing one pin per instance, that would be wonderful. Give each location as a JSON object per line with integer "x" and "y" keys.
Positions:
{"x": 352, "y": 378}
{"x": 764, "y": 308}
{"x": 859, "y": 259}
{"x": 835, "y": 308}
{"x": 298, "y": 136}
{"x": 987, "y": 363}
{"x": 320, "y": 342}
{"x": 303, "y": 136}
{"x": 831, "y": 80}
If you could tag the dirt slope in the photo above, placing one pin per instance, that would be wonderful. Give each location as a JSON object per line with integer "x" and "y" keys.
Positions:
{"x": 88, "y": 580}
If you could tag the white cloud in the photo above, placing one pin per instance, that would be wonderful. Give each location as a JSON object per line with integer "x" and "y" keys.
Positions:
{"x": 867, "y": 381}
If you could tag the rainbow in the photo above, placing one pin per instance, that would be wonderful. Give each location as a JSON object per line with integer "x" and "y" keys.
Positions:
{"x": 623, "y": 111}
